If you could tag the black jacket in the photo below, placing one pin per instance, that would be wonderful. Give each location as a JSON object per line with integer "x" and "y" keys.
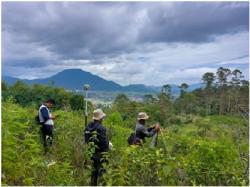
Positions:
{"x": 101, "y": 140}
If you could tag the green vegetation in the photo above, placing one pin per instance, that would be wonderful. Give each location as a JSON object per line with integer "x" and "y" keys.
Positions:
{"x": 209, "y": 151}
{"x": 203, "y": 140}
{"x": 36, "y": 94}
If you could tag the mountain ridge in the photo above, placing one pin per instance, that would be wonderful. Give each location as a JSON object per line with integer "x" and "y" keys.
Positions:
{"x": 74, "y": 79}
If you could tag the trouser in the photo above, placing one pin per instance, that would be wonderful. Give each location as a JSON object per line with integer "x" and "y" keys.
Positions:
{"x": 154, "y": 140}
{"x": 98, "y": 170}
{"x": 47, "y": 134}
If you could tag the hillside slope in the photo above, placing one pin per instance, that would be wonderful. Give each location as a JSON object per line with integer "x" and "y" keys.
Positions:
{"x": 204, "y": 151}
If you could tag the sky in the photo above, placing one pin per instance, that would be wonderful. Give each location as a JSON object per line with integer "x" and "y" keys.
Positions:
{"x": 151, "y": 43}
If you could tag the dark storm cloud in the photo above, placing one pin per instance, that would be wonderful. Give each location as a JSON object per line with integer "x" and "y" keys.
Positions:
{"x": 83, "y": 30}
{"x": 29, "y": 63}
{"x": 194, "y": 22}
{"x": 78, "y": 30}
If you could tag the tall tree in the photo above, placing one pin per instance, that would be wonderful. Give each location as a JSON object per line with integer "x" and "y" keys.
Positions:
{"x": 234, "y": 92}
{"x": 222, "y": 77}
{"x": 208, "y": 79}
{"x": 166, "y": 89}
{"x": 183, "y": 87}
{"x": 237, "y": 77}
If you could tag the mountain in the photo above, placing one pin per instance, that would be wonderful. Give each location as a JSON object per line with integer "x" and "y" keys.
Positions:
{"x": 10, "y": 80}
{"x": 74, "y": 79}
{"x": 139, "y": 88}
{"x": 195, "y": 86}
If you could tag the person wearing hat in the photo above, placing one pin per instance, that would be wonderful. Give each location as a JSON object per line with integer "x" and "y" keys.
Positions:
{"x": 101, "y": 142}
{"x": 141, "y": 131}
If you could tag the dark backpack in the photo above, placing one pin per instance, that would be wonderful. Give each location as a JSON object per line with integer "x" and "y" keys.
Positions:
{"x": 133, "y": 140}
{"x": 37, "y": 120}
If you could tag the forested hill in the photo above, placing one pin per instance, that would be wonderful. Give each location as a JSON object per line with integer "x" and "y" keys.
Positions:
{"x": 74, "y": 79}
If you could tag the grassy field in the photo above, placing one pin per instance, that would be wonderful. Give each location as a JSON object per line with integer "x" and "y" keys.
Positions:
{"x": 210, "y": 150}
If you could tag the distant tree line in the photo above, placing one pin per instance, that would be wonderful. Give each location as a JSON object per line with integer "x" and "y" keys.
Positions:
{"x": 223, "y": 93}
{"x": 36, "y": 94}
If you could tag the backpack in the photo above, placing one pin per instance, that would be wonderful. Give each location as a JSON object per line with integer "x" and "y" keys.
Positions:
{"x": 37, "y": 120}
{"x": 133, "y": 140}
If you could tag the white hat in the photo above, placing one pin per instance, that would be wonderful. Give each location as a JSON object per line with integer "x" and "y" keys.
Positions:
{"x": 142, "y": 115}
{"x": 98, "y": 114}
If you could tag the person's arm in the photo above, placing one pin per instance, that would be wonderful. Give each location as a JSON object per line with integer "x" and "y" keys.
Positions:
{"x": 145, "y": 131}
{"x": 155, "y": 126}
{"x": 45, "y": 114}
{"x": 149, "y": 133}
{"x": 151, "y": 128}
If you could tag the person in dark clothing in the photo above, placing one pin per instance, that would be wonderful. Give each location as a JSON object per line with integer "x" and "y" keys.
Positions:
{"x": 101, "y": 141}
{"x": 142, "y": 132}
{"x": 47, "y": 121}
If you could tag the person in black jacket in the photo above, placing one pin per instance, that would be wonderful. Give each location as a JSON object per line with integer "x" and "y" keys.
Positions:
{"x": 141, "y": 131}
{"x": 101, "y": 141}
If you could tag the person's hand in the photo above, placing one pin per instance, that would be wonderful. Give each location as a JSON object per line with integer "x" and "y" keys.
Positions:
{"x": 157, "y": 127}
{"x": 154, "y": 125}
{"x": 53, "y": 117}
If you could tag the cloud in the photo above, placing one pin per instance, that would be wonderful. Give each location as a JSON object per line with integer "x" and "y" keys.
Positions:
{"x": 76, "y": 30}
{"x": 128, "y": 42}
{"x": 195, "y": 22}
{"x": 82, "y": 29}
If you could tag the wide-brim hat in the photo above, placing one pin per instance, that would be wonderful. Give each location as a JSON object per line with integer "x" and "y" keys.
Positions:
{"x": 142, "y": 115}
{"x": 98, "y": 114}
